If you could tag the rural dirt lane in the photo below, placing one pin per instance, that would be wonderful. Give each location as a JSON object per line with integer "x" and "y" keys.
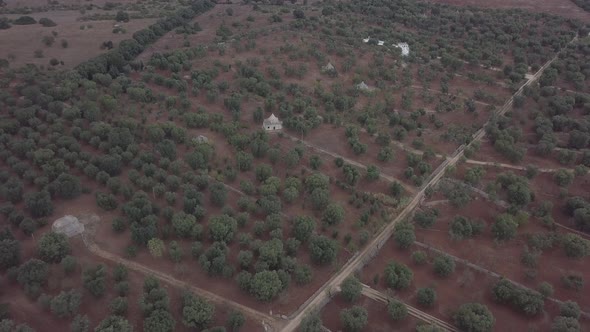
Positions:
{"x": 349, "y": 161}
{"x": 355, "y": 264}
{"x": 415, "y": 312}
{"x": 270, "y": 323}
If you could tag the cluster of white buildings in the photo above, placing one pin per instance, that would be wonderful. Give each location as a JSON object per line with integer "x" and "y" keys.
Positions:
{"x": 405, "y": 48}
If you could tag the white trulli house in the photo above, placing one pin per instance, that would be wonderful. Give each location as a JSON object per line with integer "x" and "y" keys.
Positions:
{"x": 363, "y": 86}
{"x": 404, "y": 47}
{"x": 68, "y": 225}
{"x": 272, "y": 123}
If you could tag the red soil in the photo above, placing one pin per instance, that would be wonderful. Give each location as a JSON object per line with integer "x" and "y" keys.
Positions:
{"x": 21, "y": 41}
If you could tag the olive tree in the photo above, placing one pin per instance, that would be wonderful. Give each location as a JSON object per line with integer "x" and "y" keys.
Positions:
{"x": 474, "y": 317}
{"x": 323, "y": 250}
{"x": 397, "y": 310}
{"x": 351, "y": 289}
{"x": 354, "y": 319}
{"x": 53, "y": 247}
{"x": 398, "y": 275}
{"x": 426, "y": 296}
{"x": 444, "y": 265}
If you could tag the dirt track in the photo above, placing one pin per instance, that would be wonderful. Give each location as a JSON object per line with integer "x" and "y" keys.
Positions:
{"x": 378, "y": 296}
{"x": 349, "y": 161}
{"x": 270, "y": 323}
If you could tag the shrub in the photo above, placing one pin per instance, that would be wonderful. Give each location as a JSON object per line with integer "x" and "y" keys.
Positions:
{"x": 46, "y": 22}
{"x": 529, "y": 302}
{"x": 397, "y": 275}
{"x": 24, "y": 20}
{"x": 572, "y": 281}
{"x": 351, "y": 289}
{"x": 419, "y": 257}
{"x": 565, "y": 324}
{"x": 570, "y": 309}
{"x": 354, "y": 319}
{"x": 397, "y": 310}
{"x": 474, "y": 317}
{"x": 426, "y": 296}
{"x": 444, "y": 265}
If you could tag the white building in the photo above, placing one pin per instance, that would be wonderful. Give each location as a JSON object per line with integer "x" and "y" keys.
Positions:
{"x": 380, "y": 42}
{"x": 68, "y": 225}
{"x": 328, "y": 67}
{"x": 272, "y": 123}
{"x": 201, "y": 139}
{"x": 364, "y": 87}
{"x": 404, "y": 47}
{"x": 366, "y": 40}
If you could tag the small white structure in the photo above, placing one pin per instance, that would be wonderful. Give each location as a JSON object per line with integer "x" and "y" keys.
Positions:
{"x": 272, "y": 123}
{"x": 328, "y": 67}
{"x": 380, "y": 43}
{"x": 201, "y": 139}
{"x": 366, "y": 40}
{"x": 363, "y": 86}
{"x": 68, "y": 225}
{"x": 404, "y": 47}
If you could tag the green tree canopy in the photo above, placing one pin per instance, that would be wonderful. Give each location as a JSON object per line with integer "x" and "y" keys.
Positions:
{"x": 351, "y": 289}
{"x": 354, "y": 319}
{"x": 398, "y": 275}
{"x": 53, "y": 247}
{"x": 474, "y": 317}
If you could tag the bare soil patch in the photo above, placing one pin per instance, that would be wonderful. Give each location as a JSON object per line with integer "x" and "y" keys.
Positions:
{"x": 21, "y": 41}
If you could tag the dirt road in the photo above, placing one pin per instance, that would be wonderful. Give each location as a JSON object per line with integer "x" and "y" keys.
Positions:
{"x": 270, "y": 323}
{"x": 421, "y": 315}
{"x": 349, "y": 161}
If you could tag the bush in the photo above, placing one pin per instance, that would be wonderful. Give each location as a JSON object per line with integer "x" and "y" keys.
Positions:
{"x": 48, "y": 40}
{"x": 419, "y": 257}
{"x": 119, "y": 306}
{"x": 575, "y": 246}
{"x": 46, "y": 22}
{"x": 474, "y": 317}
{"x": 53, "y": 247}
{"x": 504, "y": 228}
{"x": 545, "y": 289}
{"x": 572, "y": 281}
{"x": 563, "y": 177}
{"x": 354, "y": 319}
{"x": 39, "y": 204}
{"x": 106, "y": 202}
{"x": 24, "y": 20}
{"x": 351, "y": 289}
{"x": 66, "y": 303}
{"x": 122, "y": 16}
{"x": 565, "y": 324}
{"x": 570, "y": 309}
{"x": 404, "y": 235}
{"x": 444, "y": 265}
{"x": 426, "y": 218}
{"x": 397, "y": 275}
{"x": 298, "y": 14}
{"x": 426, "y": 296}
{"x": 235, "y": 320}
{"x": 266, "y": 285}
{"x": 323, "y": 250}
{"x": 95, "y": 280}
{"x": 397, "y": 310}
{"x": 529, "y": 302}
{"x": 69, "y": 264}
